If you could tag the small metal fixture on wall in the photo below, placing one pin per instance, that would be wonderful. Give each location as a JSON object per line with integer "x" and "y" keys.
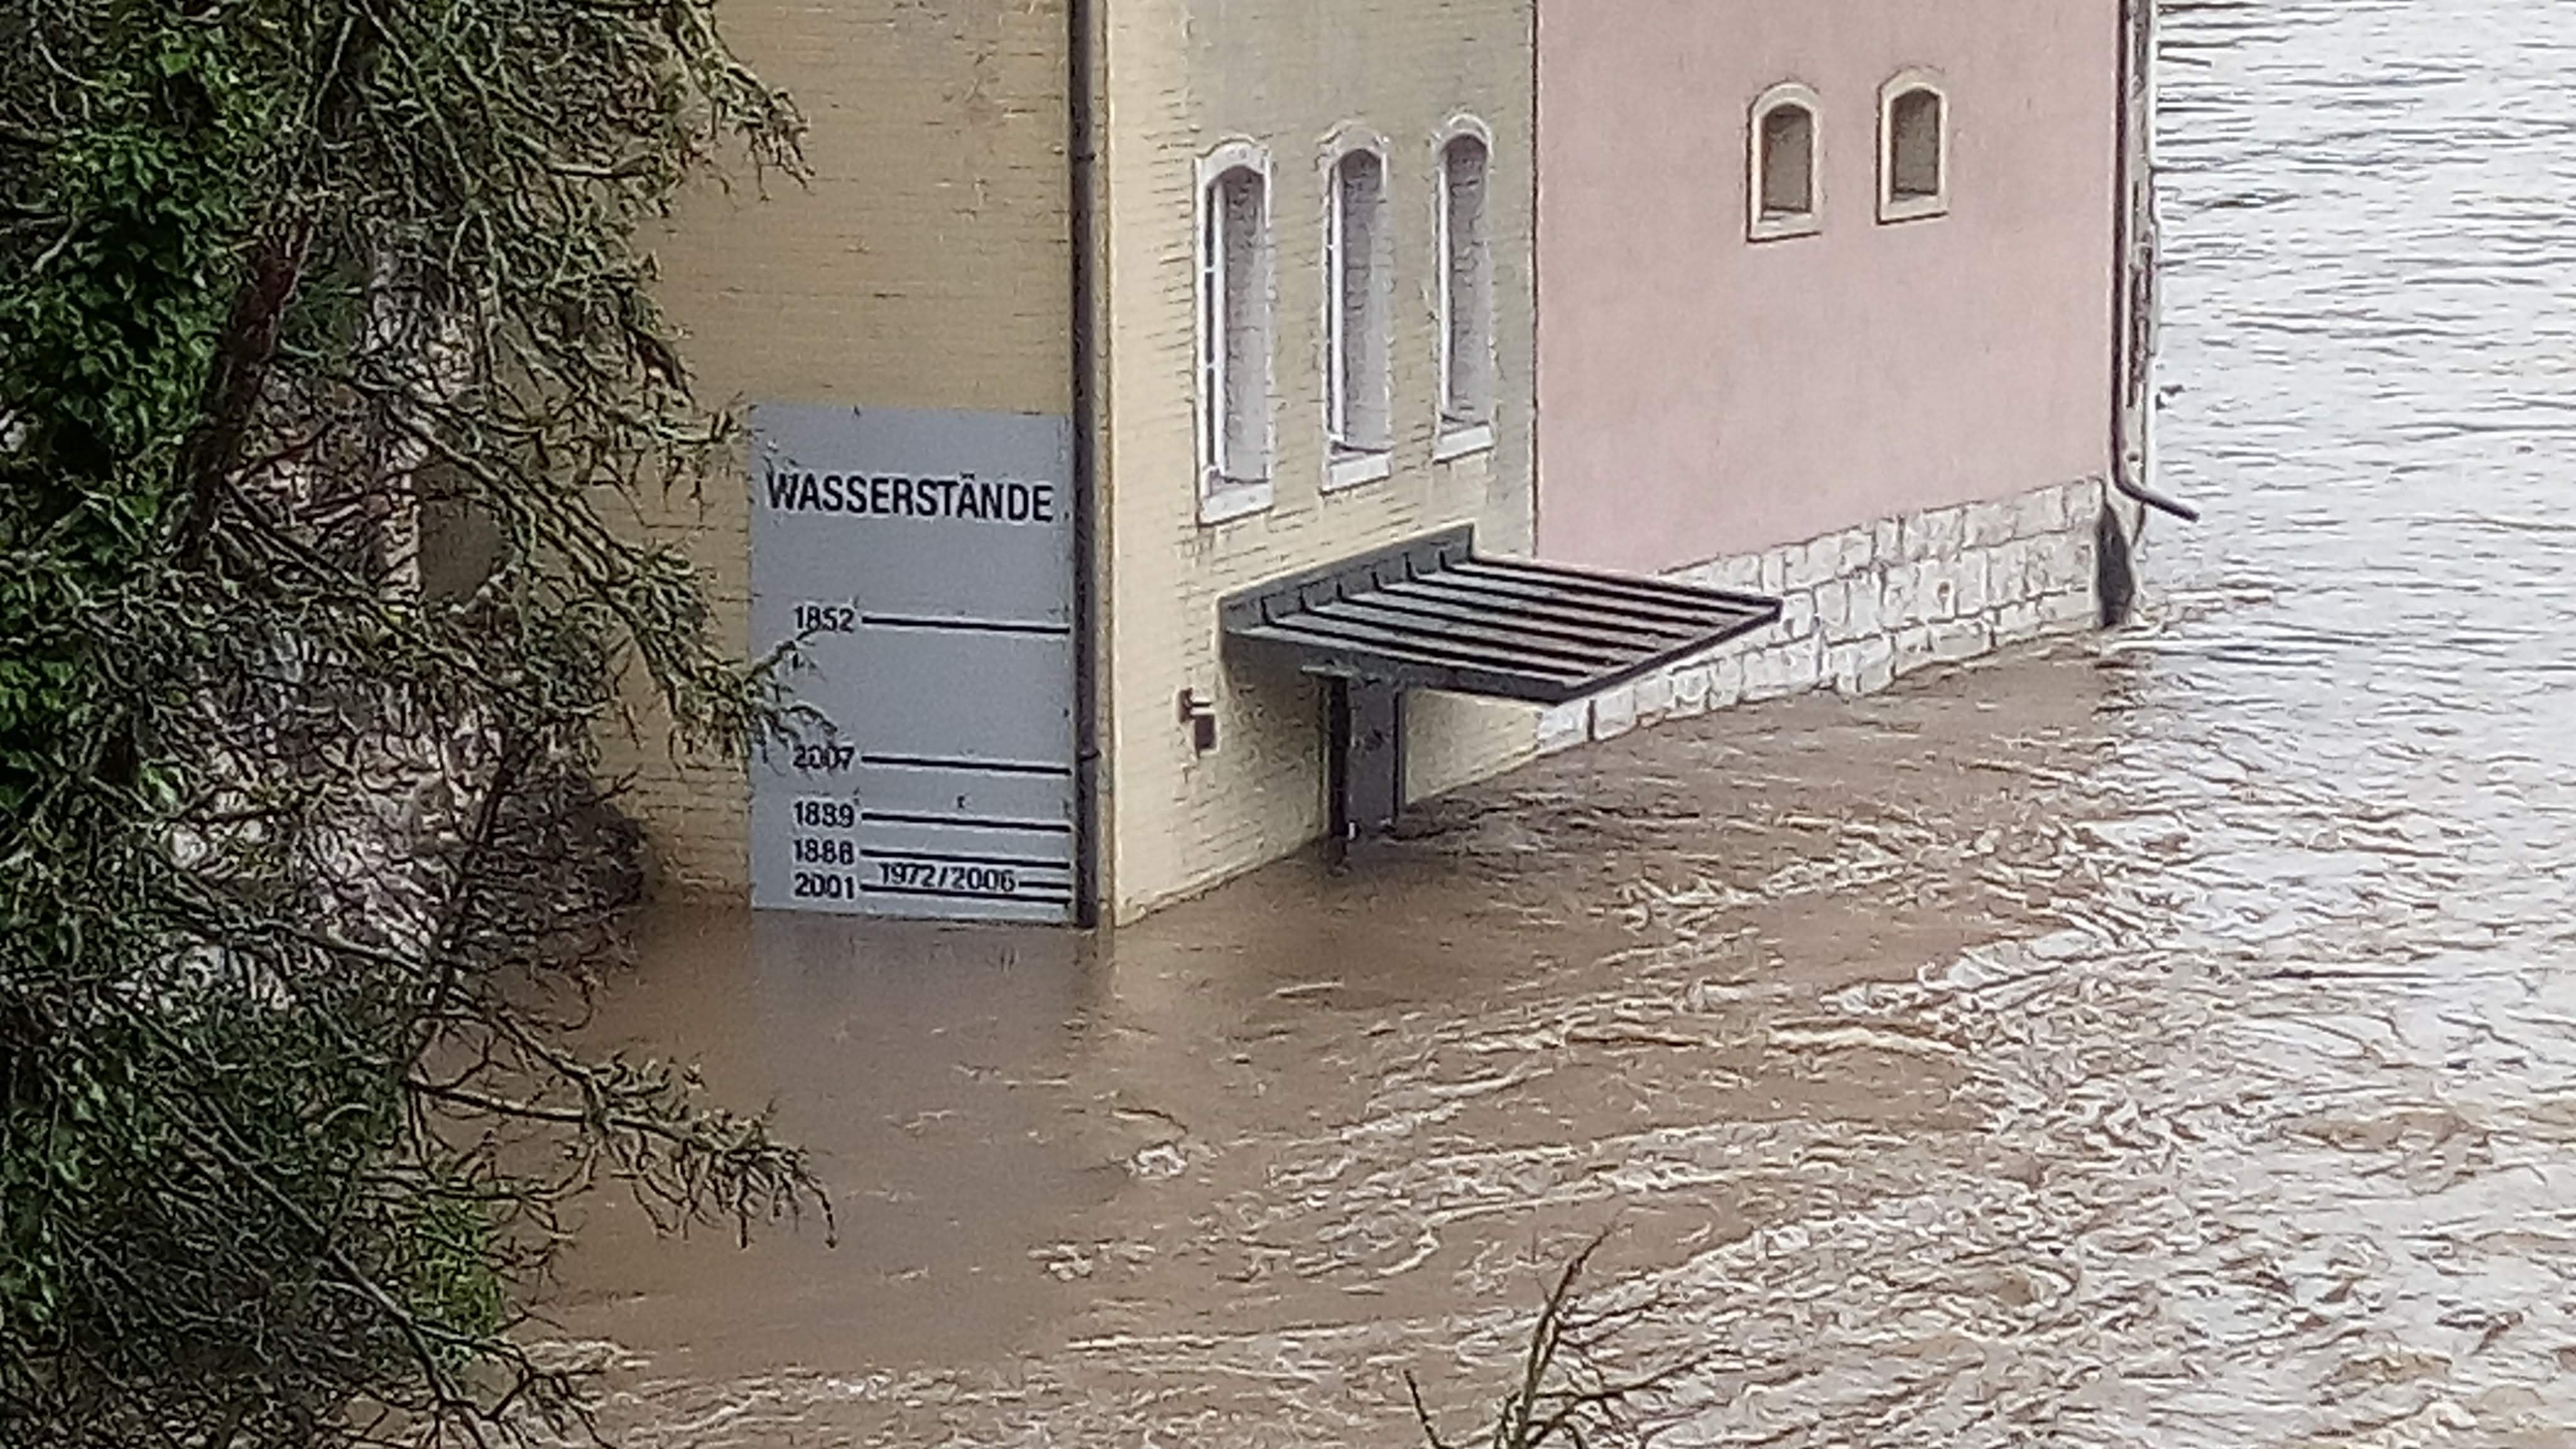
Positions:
{"x": 1198, "y": 716}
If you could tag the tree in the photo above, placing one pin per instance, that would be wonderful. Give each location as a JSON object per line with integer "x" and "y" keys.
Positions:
{"x": 327, "y": 359}
{"x": 1572, "y": 1392}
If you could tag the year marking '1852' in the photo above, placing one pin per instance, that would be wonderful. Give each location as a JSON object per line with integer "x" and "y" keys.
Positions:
{"x": 826, "y": 619}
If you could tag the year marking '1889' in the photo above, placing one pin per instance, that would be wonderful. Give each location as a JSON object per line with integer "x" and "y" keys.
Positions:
{"x": 826, "y": 814}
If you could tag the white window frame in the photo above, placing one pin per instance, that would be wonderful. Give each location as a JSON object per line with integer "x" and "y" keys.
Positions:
{"x": 1767, "y": 226}
{"x": 1891, "y": 207}
{"x": 1461, "y": 436}
{"x": 1349, "y": 462}
{"x": 1221, "y": 494}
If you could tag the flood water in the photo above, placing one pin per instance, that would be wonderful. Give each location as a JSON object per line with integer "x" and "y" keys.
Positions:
{"x": 2167, "y": 1039}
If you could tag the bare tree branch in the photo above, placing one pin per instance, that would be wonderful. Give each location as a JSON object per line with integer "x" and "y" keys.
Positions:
{"x": 1570, "y": 1388}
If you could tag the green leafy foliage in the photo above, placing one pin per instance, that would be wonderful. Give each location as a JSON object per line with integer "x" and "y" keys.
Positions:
{"x": 302, "y": 873}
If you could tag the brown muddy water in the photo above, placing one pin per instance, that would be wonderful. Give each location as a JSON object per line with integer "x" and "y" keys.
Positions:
{"x": 2166, "y": 1039}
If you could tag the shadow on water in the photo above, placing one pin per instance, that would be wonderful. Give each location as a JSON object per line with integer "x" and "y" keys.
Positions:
{"x": 2168, "y": 1039}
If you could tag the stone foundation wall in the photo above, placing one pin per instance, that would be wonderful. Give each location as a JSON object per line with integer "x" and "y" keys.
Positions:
{"x": 1866, "y": 606}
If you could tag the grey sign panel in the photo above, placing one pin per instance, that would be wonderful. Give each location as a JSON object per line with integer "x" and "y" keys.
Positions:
{"x": 924, "y": 563}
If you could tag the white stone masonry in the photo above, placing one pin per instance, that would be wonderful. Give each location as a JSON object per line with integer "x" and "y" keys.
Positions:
{"x": 1867, "y": 606}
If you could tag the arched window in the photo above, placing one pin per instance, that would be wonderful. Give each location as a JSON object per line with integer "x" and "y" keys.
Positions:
{"x": 1785, "y": 197}
{"x": 1913, "y": 147}
{"x": 1234, "y": 331}
{"x": 1466, "y": 290}
{"x": 1357, "y": 273}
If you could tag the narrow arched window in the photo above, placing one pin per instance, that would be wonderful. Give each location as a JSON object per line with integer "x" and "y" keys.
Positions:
{"x": 1356, "y": 291}
{"x": 1234, "y": 332}
{"x": 1466, "y": 289}
{"x": 1913, "y": 148}
{"x": 1784, "y": 194}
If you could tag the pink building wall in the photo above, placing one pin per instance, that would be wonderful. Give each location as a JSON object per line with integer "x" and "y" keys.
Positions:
{"x": 1701, "y": 395}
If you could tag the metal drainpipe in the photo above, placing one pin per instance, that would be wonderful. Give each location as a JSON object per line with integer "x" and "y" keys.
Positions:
{"x": 1538, "y": 283}
{"x": 1081, "y": 148}
{"x": 2125, "y": 318}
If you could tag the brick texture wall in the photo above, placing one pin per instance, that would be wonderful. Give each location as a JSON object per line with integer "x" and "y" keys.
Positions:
{"x": 924, "y": 265}
{"x": 1182, "y": 77}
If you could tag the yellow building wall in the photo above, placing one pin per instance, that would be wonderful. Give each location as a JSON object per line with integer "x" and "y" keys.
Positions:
{"x": 1181, "y": 77}
{"x": 925, "y": 264}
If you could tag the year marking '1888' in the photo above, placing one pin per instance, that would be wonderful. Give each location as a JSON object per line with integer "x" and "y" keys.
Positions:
{"x": 826, "y": 850}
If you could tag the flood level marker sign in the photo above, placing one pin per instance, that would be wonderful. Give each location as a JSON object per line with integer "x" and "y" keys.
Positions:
{"x": 923, "y": 563}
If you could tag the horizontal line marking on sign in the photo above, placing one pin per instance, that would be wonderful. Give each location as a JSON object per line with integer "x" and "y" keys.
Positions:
{"x": 965, "y": 822}
{"x": 885, "y": 890}
{"x": 969, "y": 626}
{"x": 976, "y": 767}
{"x": 947, "y": 857}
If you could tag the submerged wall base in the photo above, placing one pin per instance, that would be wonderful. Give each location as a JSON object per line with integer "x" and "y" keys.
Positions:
{"x": 1866, "y": 606}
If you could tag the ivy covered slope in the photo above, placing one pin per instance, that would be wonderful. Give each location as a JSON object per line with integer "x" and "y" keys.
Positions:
{"x": 327, "y": 356}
